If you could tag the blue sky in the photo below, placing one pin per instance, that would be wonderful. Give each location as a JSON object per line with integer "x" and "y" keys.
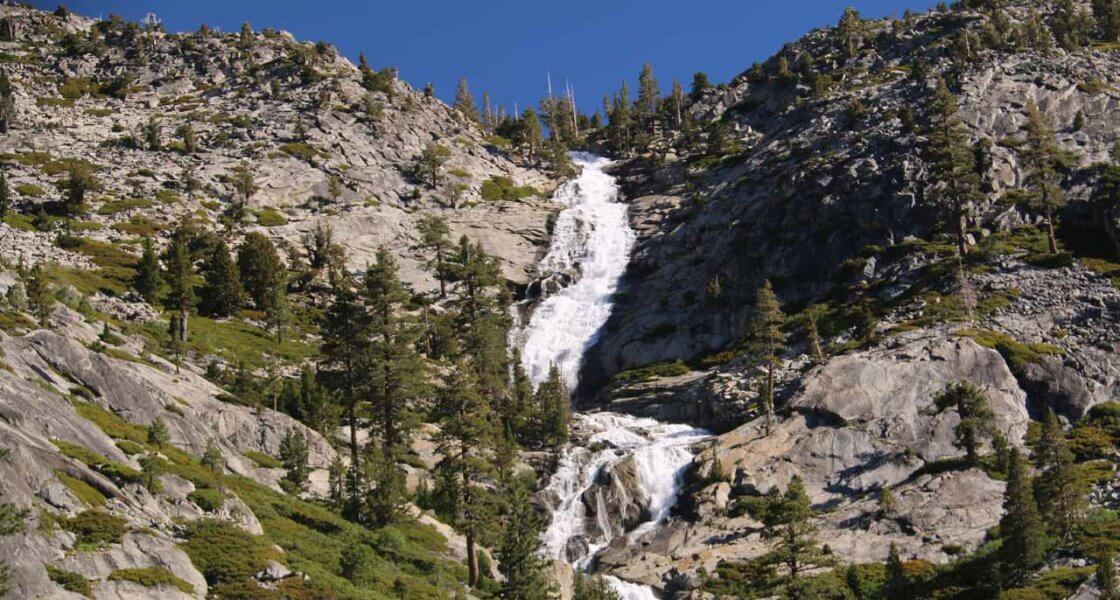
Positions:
{"x": 507, "y": 47}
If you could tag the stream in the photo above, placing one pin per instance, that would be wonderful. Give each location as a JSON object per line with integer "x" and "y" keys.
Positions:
{"x": 588, "y": 254}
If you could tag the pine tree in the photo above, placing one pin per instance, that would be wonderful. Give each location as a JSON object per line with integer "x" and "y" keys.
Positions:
{"x": 464, "y": 102}
{"x": 148, "y": 278}
{"x": 158, "y": 435}
{"x": 345, "y": 331}
{"x": 277, "y": 311}
{"x": 221, "y": 294}
{"x": 1021, "y": 527}
{"x": 151, "y": 468}
{"x": 700, "y": 84}
{"x": 1057, "y": 491}
{"x": 1042, "y": 156}
{"x": 245, "y": 39}
{"x": 294, "y": 454}
{"x": 153, "y": 134}
{"x": 520, "y": 415}
{"x": 433, "y": 237}
{"x": 39, "y": 295}
{"x": 179, "y": 275}
{"x": 1106, "y": 578}
{"x": 812, "y": 332}
{"x": 676, "y": 104}
{"x": 620, "y": 124}
{"x": 788, "y": 521}
{"x": 244, "y": 185}
{"x": 593, "y": 587}
{"x": 429, "y": 164}
{"x": 7, "y": 102}
{"x": 976, "y": 417}
{"x": 387, "y": 497}
{"x": 465, "y": 418}
{"x": 213, "y": 461}
{"x": 336, "y": 477}
{"x": 767, "y": 341}
{"x": 260, "y": 268}
{"x": 524, "y": 570}
{"x": 530, "y": 135}
{"x": 953, "y": 164}
{"x": 1107, "y": 14}
{"x": 80, "y": 180}
{"x": 849, "y": 32}
{"x": 897, "y": 585}
{"x": 396, "y": 371}
{"x": 552, "y": 406}
{"x": 5, "y": 193}
{"x": 648, "y": 93}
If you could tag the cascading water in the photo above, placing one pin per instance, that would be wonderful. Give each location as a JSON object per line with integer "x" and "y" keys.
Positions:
{"x": 589, "y": 252}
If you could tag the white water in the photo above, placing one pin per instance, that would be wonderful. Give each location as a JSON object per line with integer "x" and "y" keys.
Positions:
{"x": 591, "y": 243}
{"x": 590, "y": 249}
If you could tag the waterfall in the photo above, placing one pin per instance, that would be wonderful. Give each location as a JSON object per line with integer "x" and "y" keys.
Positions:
{"x": 590, "y": 249}
{"x": 587, "y": 257}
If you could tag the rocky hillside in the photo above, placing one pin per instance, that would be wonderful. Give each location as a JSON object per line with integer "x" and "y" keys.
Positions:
{"x": 825, "y": 184}
{"x": 324, "y": 141}
{"x": 136, "y": 465}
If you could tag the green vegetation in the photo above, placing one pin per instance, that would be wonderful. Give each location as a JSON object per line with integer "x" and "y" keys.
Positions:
{"x": 112, "y": 207}
{"x": 640, "y": 374}
{"x": 70, "y": 581}
{"x": 1017, "y": 354}
{"x": 302, "y": 151}
{"x": 270, "y": 217}
{"x": 224, "y": 553}
{"x": 29, "y": 190}
{"x": 502, "y": 189}
{"x": 95, "y": 529}
{"x": 207, "y": 499}
{"x": 263, "y": 460}
{"x": 152, "y": 577}
{"x": 82, "y": 490}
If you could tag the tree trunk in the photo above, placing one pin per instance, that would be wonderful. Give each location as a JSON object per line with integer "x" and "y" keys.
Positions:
{"x": 352, "y": 416}
{"x": 439, "y": 273}
{"x": 962, "y": 234}
{"x": 472, "y": 555}
{"x": 769, "y": 395}
{"x": 183, "y": 314}
{"x": 1050, "y": 232}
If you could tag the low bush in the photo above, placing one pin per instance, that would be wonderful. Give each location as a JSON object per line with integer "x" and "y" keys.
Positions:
{"x": 95, "y": 529}
{"x": 83, "y": 491}
{"x": 152, "y": 577}
{"x": 263, "y": 460}
{"x": 665, "y": 369}
{"x": 224, "y": 553}
{"x": 207, "y": 499}
{"x": 70, "y": 581}
{"x": 499, "y": 188}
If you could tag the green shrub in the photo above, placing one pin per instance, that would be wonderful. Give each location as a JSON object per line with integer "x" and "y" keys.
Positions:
{"x": 131, "y": 448}
{"x": 207, "y": 499}
{"x": 665, "y": 369}
{"x": 111, "y": 424}
{"x": 113, "y": 207}
{"x": 224, "y": 553}
{"x": 29, "y": 190}
{"x": 270, "y": 217}
{"x": 95, "y": 528}
{"x": 300, "y": 150}
{"x": 263, "y": 460}
{"x": 81, "y": 453}
{"x": 500, "y": 188}
{"x": 70, "y": 581}
{"x": 1016, "y": 353}
{"x": 121, "y": 474}
{"x": 83, "y": 491}
{"x": 152, "y": 577}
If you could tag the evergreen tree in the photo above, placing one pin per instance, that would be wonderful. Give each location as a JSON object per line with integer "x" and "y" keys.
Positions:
{"x": 7, "y": 102}
{"x": 1058, "y": 493}
{"x": 433, "y": 237}
{"x": 552, "y": 406}
{"x": 345, "y": 331}
{"x": 429, "y": 164}
{"x": 396, "y": 371}
{"x": 244, "y": 185}
{"x": 1106, "y": 578}
{"x": 260, "y": 268}
{"x": 767, "y": 341}
{"x": 1042, "y": 156}
{"x": 294, "y": 454}
{"x": 213, "y": 461}
{"x": 524, "y": 570}
{"x": 849, "y": 32}
{"x": 39, "y": 295}
{"x": 788, "y": 521}
{"x": 387, "y": 497}
{"x": 151, "y": 468}
{"x": 221, "y": 294}
{"x": 148, "y": 278}
{"x": 5, "y": 193}
{"x": 1072, "y": 27}
{"x": 620, "y": 121}
{"x": 158, "y": 435}
{"x": 1107, "y": 14}
{"x": 593, "y": 587}
{"x": 812, "y": 333}
{"x": 464, "y": 102}
{"x": 676, "y": 105}
{"x": 530, "y": 135}
{"x": 1020, "y": 527}
{"x": 179, "y": 275}
{"x": 700, "y": 84}
{"x": 953, "y": 164}
{"x": 336, "y": 477}
{"x": 277, "y": 311}
{"x": 465, "y": 418}
{"x": 976, "y": 417}
{"x": 245, "y": 38}
{"x": 897, "y": 585}
{"x": 520, "y": 415}
{"x": 648, "y": 93}
{"x": 153, "y": 134}
{"x": 79, "y": 181}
